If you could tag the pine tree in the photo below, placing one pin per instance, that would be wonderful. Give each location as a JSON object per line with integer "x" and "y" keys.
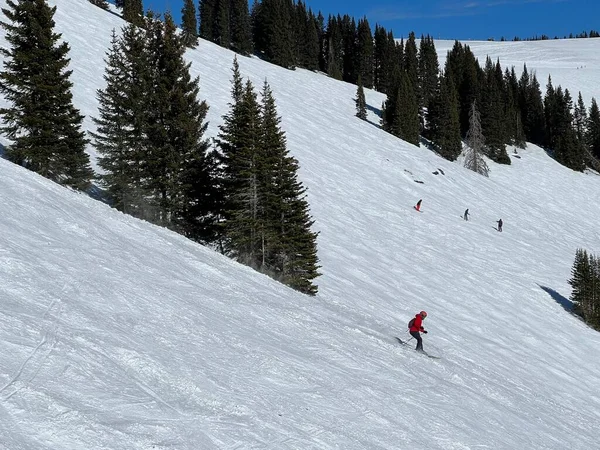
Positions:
{"x": 222, "y": 24}
{"x": 443, "y": 123}
{"x": 361, "y": 102}
{"x": 133, "y": 11}
{"x": 100, "y": 3}
{"x": 41, "y": 120}
{"x": 493, "y": 112}
{"x": 428, "y": 73}
{"x": 207, "y": 9}
{"x": 475, "y": 145}
{"x": 291, "y": 254}
{"x": 189, "y": 24}
{"x": 364, "y": 53}
{"x": 240, "y": 27}
{"x": 580, "y": 118}
{"x": 593, "y": 130}
{"x": 176, "y": 149}
{"x": 120, "y": 134}
{"x": 581, "y": 274}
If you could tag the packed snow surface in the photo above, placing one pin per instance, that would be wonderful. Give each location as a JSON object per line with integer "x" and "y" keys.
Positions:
{"x": 117, "y": 334}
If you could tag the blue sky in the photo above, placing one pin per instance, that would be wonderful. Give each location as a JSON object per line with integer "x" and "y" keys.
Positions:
{"x": 458, "y": 19}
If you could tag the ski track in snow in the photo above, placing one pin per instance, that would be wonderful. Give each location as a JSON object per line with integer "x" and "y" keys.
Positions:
{"x": 116, "y": 334}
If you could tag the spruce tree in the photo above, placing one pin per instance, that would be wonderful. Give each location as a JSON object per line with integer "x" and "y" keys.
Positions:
{"x": 120, "y": 136}
{"x": 133, "y": 11}
{"x": 290, "y": 251}
{"x": 240, "y": 27}
{"x": 360, "y": 101}
{"x": 475, "y": 145}
{"x": 176, "y": 149}
{"x": 100, "y": 3}
{"x": 41, "y": 120}
{"x": 189, "y": 24}
{"x": 428, "y": 72}
{"x": 207, "y": 9}
{"x": 593, "y": 130}
{"x": 580, "y": 118}
{"x": 364, "y": 53}
{"x": 443, "y": 123}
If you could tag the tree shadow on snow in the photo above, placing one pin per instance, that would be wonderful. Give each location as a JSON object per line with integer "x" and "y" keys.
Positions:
{"x": 2, "y": 151}
{"x": 558, "y": 298}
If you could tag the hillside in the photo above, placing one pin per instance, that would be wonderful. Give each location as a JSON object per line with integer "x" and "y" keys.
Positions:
{"x": 117, "y": 334}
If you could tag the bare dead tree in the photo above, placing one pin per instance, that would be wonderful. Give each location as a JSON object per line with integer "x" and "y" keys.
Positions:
{"x": 475, "y": 144}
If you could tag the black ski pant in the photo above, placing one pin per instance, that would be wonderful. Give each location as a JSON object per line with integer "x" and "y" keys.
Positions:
{"x": 417, "y": 336}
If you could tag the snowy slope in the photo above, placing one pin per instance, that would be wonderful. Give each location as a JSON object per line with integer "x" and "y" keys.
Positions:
{"x": 116, "y": 334}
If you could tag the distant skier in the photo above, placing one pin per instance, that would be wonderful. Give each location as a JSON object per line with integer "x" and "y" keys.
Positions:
{"x": 416, "y": 328}
{"x": 500, "y": 225}
{"x": 466, "y": 215}
{"x": 418, "y": 205}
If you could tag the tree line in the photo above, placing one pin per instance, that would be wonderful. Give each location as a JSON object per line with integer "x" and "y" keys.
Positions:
{"x": 585, "y": 282}
{"x": 241, "y": 196}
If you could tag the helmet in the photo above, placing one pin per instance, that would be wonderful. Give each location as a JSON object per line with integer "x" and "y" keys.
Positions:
{"x": 423, "y": 314}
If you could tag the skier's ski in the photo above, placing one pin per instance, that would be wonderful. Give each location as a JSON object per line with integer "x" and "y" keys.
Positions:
{"x": 422, "y": 352}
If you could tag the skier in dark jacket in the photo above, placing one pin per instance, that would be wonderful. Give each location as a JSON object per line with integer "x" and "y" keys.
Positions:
{"x": 500, "y": 225}
{"x": 417, "y": 328}
{"x": 466, "y": 215}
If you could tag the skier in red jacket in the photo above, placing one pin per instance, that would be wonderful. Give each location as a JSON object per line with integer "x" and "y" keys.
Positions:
{"x": 417, "y": 328}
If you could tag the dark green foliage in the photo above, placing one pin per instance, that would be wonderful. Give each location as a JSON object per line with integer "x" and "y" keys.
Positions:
{"x": 41, "y": 120}
{"x": 443, "y": 124}
{"x": 364, "y": 53}
{"x": 333, "y": 49}
{"x": 240, "y": 27}
{"x": 580, "y": 119}
{"x": 513, "y": 118}
{"x": 361, "y": 102}
{"x": 207, "y": 19}
{"x": 221, "y": 27}
{"x": 402, "y": 112}
{"x": 133, "y": 11}
{"x": 462, "y": 65}
{"x": 290, "y": 251}
{"x": 429, "y": 71}
{"x": 532, "y": 108}
{"x": 593, "y": 129}
{"x": 267, "y": 224}
{"x": 411, "y": 64}
{"x": 189, "y": 24}
{"x": 100, "y": 3}
{"x": 561, "y": 135}
{"x": 274, "y": 33}
{"x": 493, "y": 112}
{"x": 150, "y": 133}
{"x": 349, "y": 63}
{"x": 120, "y": 135}
{"x": 585, "y": 282}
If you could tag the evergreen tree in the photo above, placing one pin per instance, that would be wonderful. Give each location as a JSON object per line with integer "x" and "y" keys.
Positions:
{"x": 289, "y": 249}
{"x": 120, "y": 137}
{"x": 361, "y": 102}
{"x": 176, "y": 149}
{"x": 189, "y": 24}
{"x": 274, "y": 33}
{"x": 100, "y": 3}
{"x": 333, "y": 49}
{"x": 41, "y": 120}
{"x": 593, "y": 130}
{"x": 493, "y": 112}
{"x": 240, "y": 27}
{"x": 428, "y": 72}
{"x": 580, "y": 119}
{"x": 364, "y": 53}
{"x": 207, "y": 9}
{"x": 475, "y": 145}
{"x": 133, "y": 11}
{"x": 349, "y": 62}
{"x": 411, "y": 64}
{"x": 443, "y": 123}
{"x": 514, "y": 121}
{"x": 222, "y": 23}
{"x": 585, "y": 282}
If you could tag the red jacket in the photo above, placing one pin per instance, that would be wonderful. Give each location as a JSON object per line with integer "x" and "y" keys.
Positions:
{"x": 417, "y": 324}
